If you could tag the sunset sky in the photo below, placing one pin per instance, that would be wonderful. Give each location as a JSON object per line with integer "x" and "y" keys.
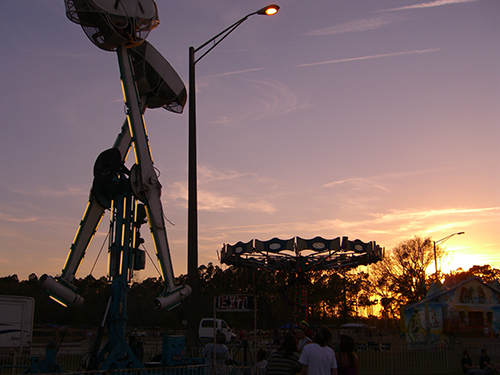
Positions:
{"x": 373, "y": 119}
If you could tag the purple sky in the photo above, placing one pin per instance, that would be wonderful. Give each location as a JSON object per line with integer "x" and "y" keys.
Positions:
{"x": 377, "y": 120}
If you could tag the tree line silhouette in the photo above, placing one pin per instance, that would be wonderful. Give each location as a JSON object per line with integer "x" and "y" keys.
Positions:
{"x": 333, "y": 297}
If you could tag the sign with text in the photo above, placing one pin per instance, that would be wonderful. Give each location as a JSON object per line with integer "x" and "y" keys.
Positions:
{"x": 233, "y": 302}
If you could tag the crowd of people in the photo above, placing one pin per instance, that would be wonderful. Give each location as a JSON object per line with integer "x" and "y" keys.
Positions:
{"x": 301, "y": 352}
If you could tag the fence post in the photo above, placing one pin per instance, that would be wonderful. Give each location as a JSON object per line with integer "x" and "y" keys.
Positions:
{"x": 14, "y": 362}
{"x": 391, "y": 359}
{"x": 447, "y": 356}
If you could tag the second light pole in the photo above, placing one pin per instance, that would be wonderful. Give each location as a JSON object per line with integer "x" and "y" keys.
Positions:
{"x": 440, "y": 241}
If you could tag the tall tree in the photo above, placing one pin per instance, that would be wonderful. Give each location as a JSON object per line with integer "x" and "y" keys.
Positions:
{"x": 400, "y": 278}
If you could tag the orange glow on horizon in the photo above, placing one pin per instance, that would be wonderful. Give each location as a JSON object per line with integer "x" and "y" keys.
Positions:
{"x": 462, "y": 257}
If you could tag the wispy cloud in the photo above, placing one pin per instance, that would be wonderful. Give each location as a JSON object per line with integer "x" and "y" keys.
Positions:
{"x": 222, "y": 191}
{"x": 257, "y": 99}
{"x": 254, "y": 226}
{"x": 371, "y": 181}
{"x": 208, "y": 174}
{"x": 206, "y": 81}
{"x": 236, "y": 72}
{"x": 45, "y": 191}
{"x": 419, "y": 214}
{"x": 13, "y": 55}
{"x": 430, "y": 50}
{"x": 210, "y": 201}
{"x": 277, "y": 98}
{"x": 366, "y": 24}
{"x": 14, "y": 219}
{"x": 404, "y": 174}
{"x": 358, "y": 184}
{"x": 430, "y": 4}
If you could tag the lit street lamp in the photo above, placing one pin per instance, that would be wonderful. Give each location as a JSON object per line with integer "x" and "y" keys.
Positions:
{"x": 192, "y": 160}
{"x": 441, "y": 241}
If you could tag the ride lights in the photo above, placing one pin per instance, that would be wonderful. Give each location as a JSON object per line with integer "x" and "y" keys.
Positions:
{"x": 62, "y": 294}
{"x": 173, "y": 298}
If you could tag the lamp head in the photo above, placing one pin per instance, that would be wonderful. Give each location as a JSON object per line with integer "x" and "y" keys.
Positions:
{"x": 269, "y": 10}
{"x": 460, "y": 233}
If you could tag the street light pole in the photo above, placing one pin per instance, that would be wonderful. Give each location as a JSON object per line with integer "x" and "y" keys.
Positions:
{"x": 192, "y": 235}
{"x": 192, "y": 240}
{"x": 441, "y": 241}
{"x": 192, "y": 147}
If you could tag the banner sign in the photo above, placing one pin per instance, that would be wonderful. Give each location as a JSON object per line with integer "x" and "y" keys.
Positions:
{"x": 242, "y": 302}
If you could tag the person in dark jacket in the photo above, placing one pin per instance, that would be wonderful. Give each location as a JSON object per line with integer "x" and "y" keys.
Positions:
{"x": 347, "y": 360}
{"x": 284, "y": 360}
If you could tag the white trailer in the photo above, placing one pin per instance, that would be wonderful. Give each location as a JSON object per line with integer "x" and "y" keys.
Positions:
{"x": 16, "y": 321}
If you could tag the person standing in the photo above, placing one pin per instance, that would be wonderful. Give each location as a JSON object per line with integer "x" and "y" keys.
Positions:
{"x": 302, "y": 339}
{"x": 284, "y": 360}
{"x": 217, "y": 354}
{"x": 347, "y": 360}
{"x": 304, "y": 327}
{"x": 261, "y": 364}
{"x": 318, "y": 358}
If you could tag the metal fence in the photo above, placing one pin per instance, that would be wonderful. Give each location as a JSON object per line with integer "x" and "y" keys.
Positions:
{"x": 404, "y": 360}
{"x": 423, "y": 360}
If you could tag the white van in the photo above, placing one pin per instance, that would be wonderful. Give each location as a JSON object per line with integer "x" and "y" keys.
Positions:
{"x": 16, "y": 320}
{"x": 206, "y": 329}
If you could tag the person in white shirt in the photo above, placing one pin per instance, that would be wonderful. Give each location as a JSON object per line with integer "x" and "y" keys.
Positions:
{"x": 318, "y": 358}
